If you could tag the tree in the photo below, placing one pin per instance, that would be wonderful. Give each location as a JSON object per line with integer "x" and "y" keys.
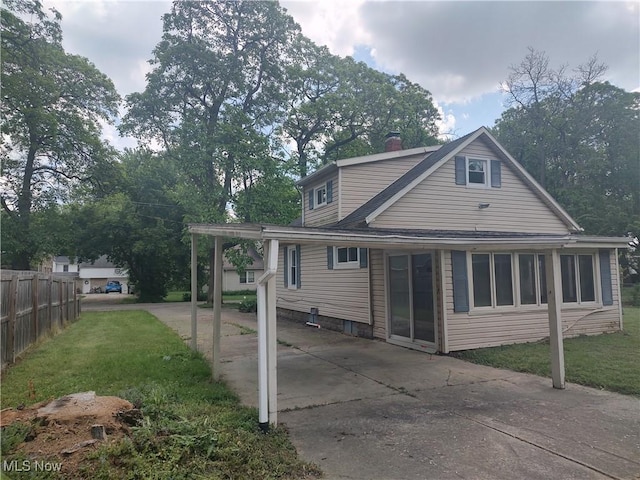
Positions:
{"x": 215, "y": 85}
{"x": 139, "y": 226}
{"x": 579, "y": 138}
{"x": 215, "y": 89}
{"x": 341, "y": 108}
{"x": 52, "y": 105}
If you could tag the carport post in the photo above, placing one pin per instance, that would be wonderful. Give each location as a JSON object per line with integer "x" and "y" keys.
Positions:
{"x": 194, "y": 292}
{"x": 272, "y": 334}
{"x": 554, "y": 303}
{"x": 217, "y": 308}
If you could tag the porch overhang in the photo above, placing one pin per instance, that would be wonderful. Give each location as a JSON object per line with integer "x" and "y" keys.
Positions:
{"x": 421, "y": 239}
{"x": 274, "y": 235}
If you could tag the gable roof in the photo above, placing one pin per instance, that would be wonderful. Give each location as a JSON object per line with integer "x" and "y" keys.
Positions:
{"x": 390, "y": 195}
{"x": 376, "y": 157}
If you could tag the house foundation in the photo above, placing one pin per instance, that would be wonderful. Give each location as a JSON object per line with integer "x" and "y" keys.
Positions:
{"x": 349, "y": 327}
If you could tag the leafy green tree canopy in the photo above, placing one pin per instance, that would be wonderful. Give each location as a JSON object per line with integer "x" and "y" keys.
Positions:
{"x": 578, "y": 136}
{"x": 53, "y": 103}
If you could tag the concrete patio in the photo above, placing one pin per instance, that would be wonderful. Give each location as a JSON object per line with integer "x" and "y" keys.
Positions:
{"x": 365, "y": 409}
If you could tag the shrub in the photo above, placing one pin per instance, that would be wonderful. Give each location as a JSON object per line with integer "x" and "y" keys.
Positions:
{"x": 186, "y": 297}
{"x": 248, "y": 306}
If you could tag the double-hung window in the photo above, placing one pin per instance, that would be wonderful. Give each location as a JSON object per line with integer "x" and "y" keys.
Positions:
{"x": 321, "y": 195}
{"x": 247, "y": 277}
{"x": 477, "y": 172}
{"x": 492, "y": 275}
{"x": 292, "y": 270}
{"x": 578, "y": 278}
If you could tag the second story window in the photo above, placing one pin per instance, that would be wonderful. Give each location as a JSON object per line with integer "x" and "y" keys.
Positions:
{"x": 477, "y": 172}
{"x": 321, "y": 195}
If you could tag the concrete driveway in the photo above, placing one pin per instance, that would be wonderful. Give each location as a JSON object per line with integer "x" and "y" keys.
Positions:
{"x": 365, "y": 409}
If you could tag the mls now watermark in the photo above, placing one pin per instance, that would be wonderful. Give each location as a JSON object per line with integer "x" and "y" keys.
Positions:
{"x": 30, "y": 466}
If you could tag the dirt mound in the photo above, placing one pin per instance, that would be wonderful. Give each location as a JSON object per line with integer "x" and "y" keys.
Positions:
{"x": 66, "y": 429}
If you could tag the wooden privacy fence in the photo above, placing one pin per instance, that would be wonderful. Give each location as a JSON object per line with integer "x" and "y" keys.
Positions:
{"x": 33, "y": 304}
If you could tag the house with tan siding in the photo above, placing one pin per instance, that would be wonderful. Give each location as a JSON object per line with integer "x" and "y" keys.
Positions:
{"x": 439, "y": 248}
{"x": 470, "y": 270}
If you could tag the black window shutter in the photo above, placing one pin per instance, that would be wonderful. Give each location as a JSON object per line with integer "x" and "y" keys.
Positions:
{"x": 299, "y": 268}
{"x": 364, "y": 260}
{"x": 461, "y": 171}
{"x": 311, "y": 199}
{"x": 605, "y": 277}
{"x": 460, "y": 284}
{"x": 330, "y": 258}
{"x": 330, "y": 191}
{"x": 496, "y": 173}
{"x": 286, "y": 267}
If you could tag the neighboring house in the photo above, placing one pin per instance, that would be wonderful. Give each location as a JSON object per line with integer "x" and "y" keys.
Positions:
{"x": 95, "y": 275}
{"x": 64, "y": 265}
{"x": 440, "y": 249}
{"x": 233, "y": 280}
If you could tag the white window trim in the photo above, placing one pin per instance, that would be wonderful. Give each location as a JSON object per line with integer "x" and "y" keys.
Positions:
{"x": 353, "y": 264}
{"x": 516, "y": 275}
{"x": 487, "y": 173}
{"x": 492, "y": 275}
{"x": 292, "y": 283}
{"x": 315, "y": 196}
{"x": 246, "y": 277}
{"x": 597, "y": 285}
{"x": 515, "y": 284}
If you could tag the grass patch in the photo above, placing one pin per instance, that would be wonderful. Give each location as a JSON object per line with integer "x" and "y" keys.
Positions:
{"x": 631, "y": 295}
{"x": 608, "y": 361}
{"x": 192, "y": 428}
{"x": 179, "y": 296}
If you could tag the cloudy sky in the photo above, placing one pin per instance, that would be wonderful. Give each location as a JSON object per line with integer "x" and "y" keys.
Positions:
{"x": 458, "y": 50}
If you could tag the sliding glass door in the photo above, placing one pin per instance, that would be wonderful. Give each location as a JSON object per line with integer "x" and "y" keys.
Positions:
{"x": 411, "y": 302}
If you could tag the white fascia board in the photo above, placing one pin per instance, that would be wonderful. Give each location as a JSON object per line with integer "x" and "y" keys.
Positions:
{"x": 240, "y": 230}
{"x": 377, "y": 157}
{"x": 373, "y": 215}
{"x": 566, "y": 218}
{"x": 601, "y": 242}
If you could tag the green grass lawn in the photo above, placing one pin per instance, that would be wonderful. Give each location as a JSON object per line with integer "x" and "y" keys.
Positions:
{"x": 193, "y": 428}
{"x": 178, "y": 296}
{"x": 608, "y": 361}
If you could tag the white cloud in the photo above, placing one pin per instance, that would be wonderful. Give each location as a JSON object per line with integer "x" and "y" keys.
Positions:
{"x": 334, "y": 23}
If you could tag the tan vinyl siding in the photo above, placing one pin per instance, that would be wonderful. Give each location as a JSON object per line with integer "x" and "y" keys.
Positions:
{"x": 338, "y": 293}
{"x": 360, "y": 183}
{"x": 438, "y": 203}
{"x": 378, "y": 294}
{"x": 468, "y": 331}
{"x": 327, "y": 213}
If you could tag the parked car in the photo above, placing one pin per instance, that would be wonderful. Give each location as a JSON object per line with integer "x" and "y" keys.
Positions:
{"x": 113, "y": 286}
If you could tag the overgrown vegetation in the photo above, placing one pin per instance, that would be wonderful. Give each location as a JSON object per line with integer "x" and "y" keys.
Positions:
{"x": 192, "y": 428}
{"x": 608, "y": 361}
{"x": 631, "y": 295}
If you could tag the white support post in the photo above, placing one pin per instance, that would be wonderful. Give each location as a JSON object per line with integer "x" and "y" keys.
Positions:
{"x": 217, "y": 308}
{"x": 272, "y": 337}
{"x": 554, "y": 303}
{"x": 194, "y": 292}
{"x": 267, "y": 339}
{"x": 263, "y": 381}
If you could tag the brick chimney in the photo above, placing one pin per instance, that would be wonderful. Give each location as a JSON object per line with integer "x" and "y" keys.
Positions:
{"x": 392, "y": 142}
